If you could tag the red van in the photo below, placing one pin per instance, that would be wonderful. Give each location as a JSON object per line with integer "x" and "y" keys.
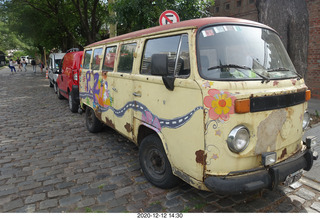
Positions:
{"x": 68, "y": 79}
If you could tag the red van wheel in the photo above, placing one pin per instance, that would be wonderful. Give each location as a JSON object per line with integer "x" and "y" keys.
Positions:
{"x": 72, "y": 105}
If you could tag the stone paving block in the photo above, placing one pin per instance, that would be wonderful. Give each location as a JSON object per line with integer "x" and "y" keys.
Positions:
{"x": 57, "y": 193}
{"x": 12, "y": 205}
{"x": 49, "y": 203}
{"x": 105, "y": 196}
{"x": 86, "y": 202}
{"x": 79, "y": 188}
{"x": 35, "y": 198}
{"x": 69, "y": 200}
{"x": 306, "y": 194}
{"x": 27, "y": 209}
{"x": 91, "y": 192}
{"x": 123, "y": 191}
{"x": 316, "y": 206}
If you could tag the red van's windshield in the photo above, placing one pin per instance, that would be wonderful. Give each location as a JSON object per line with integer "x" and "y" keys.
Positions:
{"x": 234, "y": 52}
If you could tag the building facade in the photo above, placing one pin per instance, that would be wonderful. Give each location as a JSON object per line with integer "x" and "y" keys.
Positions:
{"x": 247, "y": 9}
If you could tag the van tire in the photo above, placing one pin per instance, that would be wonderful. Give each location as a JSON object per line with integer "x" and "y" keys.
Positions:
{"x": 155, "y": 164}
{"x": 93, "y": 124}
{"x": 72, "y": 105}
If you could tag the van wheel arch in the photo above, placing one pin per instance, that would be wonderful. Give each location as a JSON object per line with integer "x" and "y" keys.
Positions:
{"x": 154, "y": 161}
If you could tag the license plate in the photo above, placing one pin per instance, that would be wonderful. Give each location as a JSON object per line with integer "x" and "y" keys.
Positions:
{"x": 293, "y": 177}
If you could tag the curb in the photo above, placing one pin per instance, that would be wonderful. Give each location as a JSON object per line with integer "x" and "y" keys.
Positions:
{"x": 306, "y": 181}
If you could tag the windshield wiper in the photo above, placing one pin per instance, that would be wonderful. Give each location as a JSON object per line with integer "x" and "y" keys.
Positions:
{"x": 229, "y": 66}
{"x": 284, "y": 69}
{"x": 278, "y": 69}
{"x": 241, "y": 67}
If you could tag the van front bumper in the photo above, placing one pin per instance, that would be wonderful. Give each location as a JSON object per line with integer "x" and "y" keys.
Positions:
{"x": 265, "y": 178}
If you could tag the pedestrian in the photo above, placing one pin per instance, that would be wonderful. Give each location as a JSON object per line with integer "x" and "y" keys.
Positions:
{"x": 34, "y": 65}
{"x": 11, "y": 66}
{"x": 41, "y": 65}
{"x": 19, "y": 64}
{"x": 24, "y": 64}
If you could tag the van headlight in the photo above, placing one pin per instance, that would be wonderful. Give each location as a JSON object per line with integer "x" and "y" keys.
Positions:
{"x": 238, "y": 139}
{"x": 306, "y": 120}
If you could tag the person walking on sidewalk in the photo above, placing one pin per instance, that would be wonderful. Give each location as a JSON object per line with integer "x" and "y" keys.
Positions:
{"x": 11, "y": 66}
{"x": 34, "y": 65}
{"x": 18, "y": 61}
{"x": 24, "y": 64}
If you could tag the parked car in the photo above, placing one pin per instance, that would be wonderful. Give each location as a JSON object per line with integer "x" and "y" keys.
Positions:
{"x": 67, "y": 81}
{"x": 53, "y": 68}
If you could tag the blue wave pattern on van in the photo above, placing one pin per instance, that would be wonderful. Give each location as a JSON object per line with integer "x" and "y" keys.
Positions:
{"x": 148, "y": 116}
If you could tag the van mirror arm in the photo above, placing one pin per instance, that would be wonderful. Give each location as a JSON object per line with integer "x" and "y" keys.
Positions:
{"x": 168, "y": 82}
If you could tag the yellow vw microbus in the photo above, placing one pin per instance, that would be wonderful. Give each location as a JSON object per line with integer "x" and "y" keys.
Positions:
{"x": 215, "y": 102}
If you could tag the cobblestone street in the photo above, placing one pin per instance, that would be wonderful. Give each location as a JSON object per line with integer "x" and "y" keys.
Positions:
{"x": 49, "y": 162}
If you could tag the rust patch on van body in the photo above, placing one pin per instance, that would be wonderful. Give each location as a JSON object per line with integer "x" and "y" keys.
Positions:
{"x": 284, "y": 153}
{"x": 201, "y": 157}
{"x": 128, "y": 127}
{"x": 110, "y": 123}
{"x": 268, "y": 131}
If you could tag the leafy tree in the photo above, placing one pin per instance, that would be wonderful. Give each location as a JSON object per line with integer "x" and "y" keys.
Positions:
{"x": 134, "y": 15}
{"x": 58, "y": 23}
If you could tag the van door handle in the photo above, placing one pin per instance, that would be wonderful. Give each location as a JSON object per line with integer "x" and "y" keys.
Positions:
{"x": 137, "y": 94}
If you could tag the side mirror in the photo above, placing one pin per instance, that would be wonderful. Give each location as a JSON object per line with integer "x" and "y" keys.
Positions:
{"x": 159, "y": 66}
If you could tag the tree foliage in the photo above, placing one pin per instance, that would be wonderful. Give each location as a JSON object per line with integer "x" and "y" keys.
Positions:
{"x": 134, "y": 15}
{"x": 63, "y": 24}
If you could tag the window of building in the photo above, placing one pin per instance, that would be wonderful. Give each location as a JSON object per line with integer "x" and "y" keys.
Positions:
{"x": 126, "y": 57}
{"x": 217, "y": 9}
{"x": 227, "y": 6}
{"x": 239, "y": 3}
{"x": 109, "y": 57}
{"x": 251, "y": 1}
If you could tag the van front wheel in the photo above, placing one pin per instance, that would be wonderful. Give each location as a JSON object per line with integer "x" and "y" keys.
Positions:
{"x": 92, "y": 122}
{"x": 155, "y": 164}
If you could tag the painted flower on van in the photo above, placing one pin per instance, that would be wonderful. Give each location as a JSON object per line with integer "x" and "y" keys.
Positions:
{"x": 220, "y": 104}
{"x": 150, "y": 119}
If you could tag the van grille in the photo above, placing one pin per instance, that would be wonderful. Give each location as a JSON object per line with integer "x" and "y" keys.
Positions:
{"x": 258, "y": 104}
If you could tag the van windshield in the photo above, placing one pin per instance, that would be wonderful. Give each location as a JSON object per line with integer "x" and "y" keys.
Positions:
{"x": 234, "y": 52}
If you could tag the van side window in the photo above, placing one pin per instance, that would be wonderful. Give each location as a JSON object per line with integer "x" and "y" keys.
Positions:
{"x": 96, "y": 60}
{"x": 87, "y": 58}
{"x": 171, "y": 46}
{"x": 126, "y": 57}
{"x": 109, "y": 56}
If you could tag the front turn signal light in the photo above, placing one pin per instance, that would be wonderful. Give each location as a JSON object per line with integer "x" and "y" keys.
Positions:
{"x": 242, "y": 106}
{"x": 308, "y": 95}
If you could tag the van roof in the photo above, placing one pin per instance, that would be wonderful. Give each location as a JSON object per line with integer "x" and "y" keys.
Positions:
{"x": 195, "y": 23}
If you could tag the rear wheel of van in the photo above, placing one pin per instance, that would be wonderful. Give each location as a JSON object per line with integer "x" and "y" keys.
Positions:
{"x": 72, "y": 105}
{"x": 92, "y": 122}
{"x": 155, "y": 164}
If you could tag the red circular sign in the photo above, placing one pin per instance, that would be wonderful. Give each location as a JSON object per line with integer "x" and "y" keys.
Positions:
{"x": 169, "y": 17}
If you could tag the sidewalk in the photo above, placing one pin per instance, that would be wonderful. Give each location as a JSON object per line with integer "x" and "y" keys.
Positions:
{"x": 314, "y": 173}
